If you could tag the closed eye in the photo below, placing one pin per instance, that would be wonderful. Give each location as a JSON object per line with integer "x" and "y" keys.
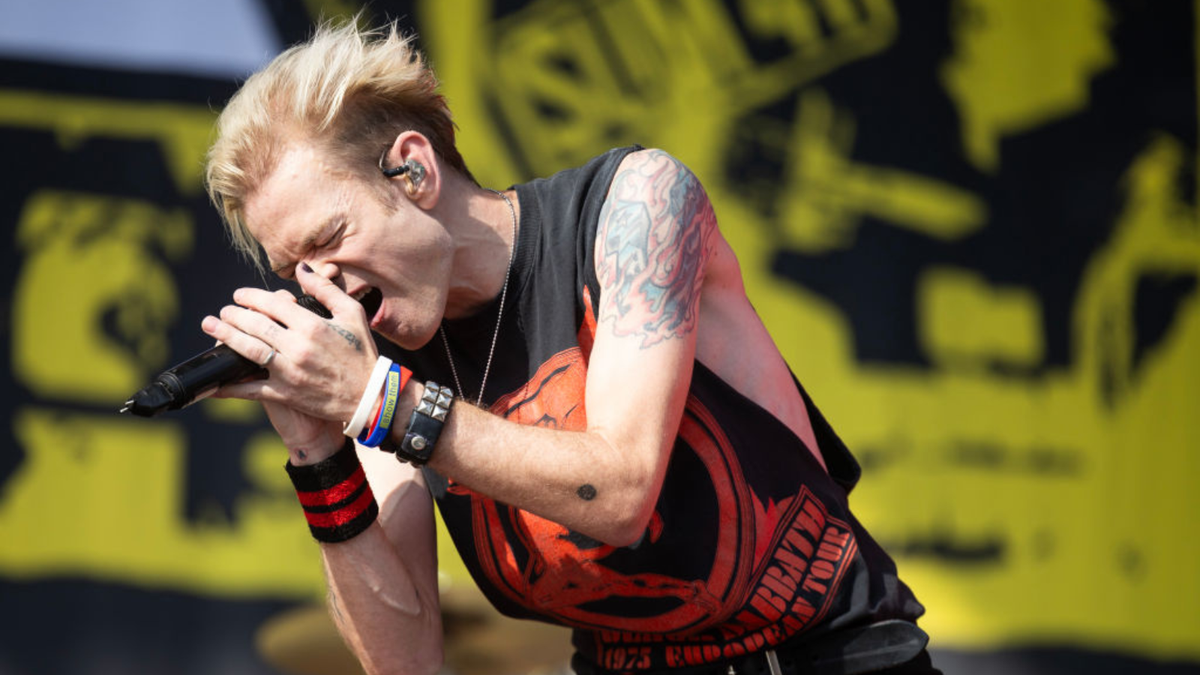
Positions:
{"x": 284, "y": 271}
{"x": 333, "y": 238}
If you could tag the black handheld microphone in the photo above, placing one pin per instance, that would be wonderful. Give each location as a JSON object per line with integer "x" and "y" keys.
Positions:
{"x": 201, "y": 375}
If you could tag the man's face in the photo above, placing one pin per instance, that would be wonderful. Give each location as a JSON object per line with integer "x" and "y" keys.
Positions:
{"x": 309, "y": 211}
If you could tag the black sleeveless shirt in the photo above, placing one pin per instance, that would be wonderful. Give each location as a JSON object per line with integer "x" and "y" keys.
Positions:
{"x": 751, "y": 544}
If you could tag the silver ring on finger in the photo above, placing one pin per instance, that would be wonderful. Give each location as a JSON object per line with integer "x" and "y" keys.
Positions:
{"x": 270, "y": 357}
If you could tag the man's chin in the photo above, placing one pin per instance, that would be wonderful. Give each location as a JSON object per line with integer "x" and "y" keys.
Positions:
{"x": 403, "y": 336}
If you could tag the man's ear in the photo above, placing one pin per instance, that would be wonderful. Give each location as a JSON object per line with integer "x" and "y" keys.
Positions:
{"x": 412, "y": 160}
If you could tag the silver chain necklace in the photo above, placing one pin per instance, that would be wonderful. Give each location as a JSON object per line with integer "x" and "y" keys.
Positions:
{"x": 512, "y": 254}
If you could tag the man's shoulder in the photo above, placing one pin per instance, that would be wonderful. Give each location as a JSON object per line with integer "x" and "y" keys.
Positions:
{"x": 605, "y": 162}
{"x": 577, "y": 193}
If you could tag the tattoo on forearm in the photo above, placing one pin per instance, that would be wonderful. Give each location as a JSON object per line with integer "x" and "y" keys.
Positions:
{"x": 350, "y": 337}
{"x": 586, "y": 492}
{"x": 655, "y": 235}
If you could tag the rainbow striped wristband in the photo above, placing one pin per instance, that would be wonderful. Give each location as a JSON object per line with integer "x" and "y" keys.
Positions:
{"x": 374, "y": 434}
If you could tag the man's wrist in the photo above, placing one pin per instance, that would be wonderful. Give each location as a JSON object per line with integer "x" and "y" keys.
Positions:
{"x": 370, "y": 397}
{"x": 410, "y": 397}
{"x": 316, "y": 450}
{"x": 415, "y": 442}
{"x": 335, "y": 495}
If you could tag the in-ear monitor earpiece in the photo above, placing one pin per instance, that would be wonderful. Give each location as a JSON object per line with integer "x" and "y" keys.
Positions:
{"x": 411, "y": 169}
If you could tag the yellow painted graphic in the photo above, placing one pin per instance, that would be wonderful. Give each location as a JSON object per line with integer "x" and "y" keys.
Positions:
{"x": 100, "y": 495}
{"x": 1053, "y": 507}
{"x": 84, "y": 254}
{"x": 183, "y": 132}
{"x": 961, "y": 313}
{"x": 1018, "y": 65}
{"x": 1089, "y": 502}
{"x": 1025, "y": 503}
{"x": 110, "y": 490}
{"x": 833, "y": 193}
{"x": 601, "y": 74}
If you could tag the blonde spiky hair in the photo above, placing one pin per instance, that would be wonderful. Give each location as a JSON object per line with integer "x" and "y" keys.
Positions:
{"x": 348, "y": 91}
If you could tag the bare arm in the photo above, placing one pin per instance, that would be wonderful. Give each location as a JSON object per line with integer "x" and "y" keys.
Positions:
{"x": 383, "y": 582}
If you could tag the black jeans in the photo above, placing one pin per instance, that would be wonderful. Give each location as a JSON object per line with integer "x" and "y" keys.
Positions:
{"x": 921, "y": 665}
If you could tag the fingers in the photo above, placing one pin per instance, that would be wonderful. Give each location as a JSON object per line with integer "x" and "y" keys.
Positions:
{"x": 280, "y": 306}
{"x": 254, "y": 348}
{"x": 250, "y": 330}
{"x": 326, "y": 292}
{"x": 254, "y": 323}
{"x": 318, "y": 367}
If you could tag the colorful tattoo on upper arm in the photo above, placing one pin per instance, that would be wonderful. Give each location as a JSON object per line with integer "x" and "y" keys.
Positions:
{"x": 653, "y": 241}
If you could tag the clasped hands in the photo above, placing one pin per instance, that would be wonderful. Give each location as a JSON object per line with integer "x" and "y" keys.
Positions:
{"x": 319, "y": 368}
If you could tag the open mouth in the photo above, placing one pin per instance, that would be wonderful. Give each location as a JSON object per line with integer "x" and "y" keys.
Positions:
{"x": 371, "y": 300}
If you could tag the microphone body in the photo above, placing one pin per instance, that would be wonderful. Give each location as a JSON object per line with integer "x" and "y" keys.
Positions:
{"x": 201, "y": 375}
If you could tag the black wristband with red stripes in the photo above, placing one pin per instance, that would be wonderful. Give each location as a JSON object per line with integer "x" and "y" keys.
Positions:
{"x": 336, "y": 497}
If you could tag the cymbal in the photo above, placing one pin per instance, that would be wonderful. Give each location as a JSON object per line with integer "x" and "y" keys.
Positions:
{"x": 481, "y": 641}
{"x": 304, "y": 641}
{"x": 478, "y": 640}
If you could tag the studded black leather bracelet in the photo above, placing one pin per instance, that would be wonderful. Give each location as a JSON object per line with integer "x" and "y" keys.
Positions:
{"x": 424, "y": 425}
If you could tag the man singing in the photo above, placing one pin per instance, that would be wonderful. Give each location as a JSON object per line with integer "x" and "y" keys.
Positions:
{"x": 569, "y": 367}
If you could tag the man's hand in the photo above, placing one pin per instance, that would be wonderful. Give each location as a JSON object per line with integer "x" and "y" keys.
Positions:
{"x": 320, "y": 367}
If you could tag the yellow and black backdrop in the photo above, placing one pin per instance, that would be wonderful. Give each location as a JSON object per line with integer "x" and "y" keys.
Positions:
{"x": 971, "y": 225}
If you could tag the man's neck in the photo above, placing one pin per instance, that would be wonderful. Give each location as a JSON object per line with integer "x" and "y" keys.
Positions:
{"x": 481, "y": 224}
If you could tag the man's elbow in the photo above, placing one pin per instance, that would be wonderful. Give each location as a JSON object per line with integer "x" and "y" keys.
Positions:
{"x": 627, "y": 499}
{"x": 624, "y": 536}
{"x": 633, "y": 520}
